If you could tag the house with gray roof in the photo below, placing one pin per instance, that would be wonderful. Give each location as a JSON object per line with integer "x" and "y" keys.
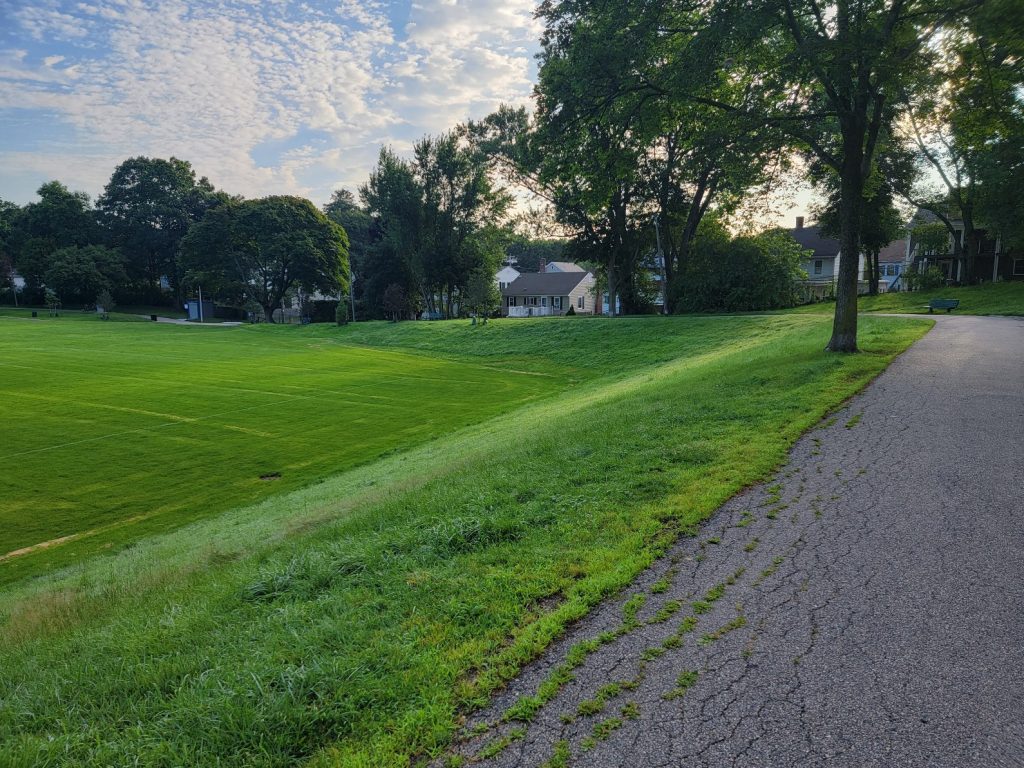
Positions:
{"x": 536, "y": 294}
{"x": 822, "y": 259}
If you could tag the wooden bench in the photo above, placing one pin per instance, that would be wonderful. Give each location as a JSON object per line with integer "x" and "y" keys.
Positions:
{"x": 946, "y": 304}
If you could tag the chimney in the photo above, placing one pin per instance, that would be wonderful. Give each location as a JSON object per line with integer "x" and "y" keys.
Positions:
{"x": 543, "y": 266}
{"x": 799, "y": 222}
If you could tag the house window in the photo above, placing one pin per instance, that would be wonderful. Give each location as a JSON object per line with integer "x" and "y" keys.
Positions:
{"x": 556, "y": 302}
{"x": 543, "y": 301}
{"x": 817, "y": 266}
{"x": 580, "y": 301}
{"x": 533, "y": 301}
{"x": 1018, "y": 267}
{"x": 511, "y": 301}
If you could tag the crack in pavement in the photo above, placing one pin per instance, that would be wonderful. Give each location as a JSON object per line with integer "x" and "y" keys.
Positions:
{"x": 880, "y": 580}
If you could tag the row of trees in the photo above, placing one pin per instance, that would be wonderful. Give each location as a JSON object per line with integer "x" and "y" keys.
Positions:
{"x": 158, "y": 232}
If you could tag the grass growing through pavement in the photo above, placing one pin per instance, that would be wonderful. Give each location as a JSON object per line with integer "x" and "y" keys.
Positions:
{"x": 1005, "y": 298}
{"x": 350, "y": 622}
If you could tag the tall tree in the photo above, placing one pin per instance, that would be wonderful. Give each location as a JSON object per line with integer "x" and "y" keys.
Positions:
{"x": 613, "y": 145}
{"x": 148, "y": 206}
{"x": 8, "y": 213}
{"x": 881, "y": 221}
{"x": 344, "y": 210}
{"x": 394, "y": 200}
{"x": 59, "y": 219}
{"x": 260, "y": 250}
{"x": 459, "y": 205}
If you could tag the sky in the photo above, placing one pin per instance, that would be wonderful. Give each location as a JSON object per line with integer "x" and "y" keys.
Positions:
{"x": 262, "y": 96}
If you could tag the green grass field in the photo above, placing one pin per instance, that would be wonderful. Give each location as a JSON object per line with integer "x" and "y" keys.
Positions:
{"x": 988, "y": 299}
{"x": 118, "y": 430}
{"x": 350, "y": 622}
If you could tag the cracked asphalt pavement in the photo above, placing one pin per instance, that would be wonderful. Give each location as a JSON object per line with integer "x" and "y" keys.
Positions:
{"x": 863, "y": 607}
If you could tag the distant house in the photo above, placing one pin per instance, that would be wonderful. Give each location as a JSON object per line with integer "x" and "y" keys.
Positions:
{"x": 535, "y": 294}
{"x": 821, "y": 264}
{"x": 891, "y": 264}
{"x": 505, "y": 276}
{"x": 559, "y": 266}
{"x": 992, "y": 262}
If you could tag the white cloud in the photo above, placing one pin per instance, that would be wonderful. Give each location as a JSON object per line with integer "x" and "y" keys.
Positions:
{"x": 219, "y": 83}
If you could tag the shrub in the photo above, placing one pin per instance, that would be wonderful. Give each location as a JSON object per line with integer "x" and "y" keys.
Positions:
{"x": 105, "y": 304}
{"x": 740, "y": 274}
{"x": 572, "y": 310}
{"x": 341, "y": 313}
{"x": 929, "y": 280}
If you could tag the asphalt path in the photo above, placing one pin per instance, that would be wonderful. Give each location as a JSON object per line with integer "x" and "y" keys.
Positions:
{"x": 864, "y": 607}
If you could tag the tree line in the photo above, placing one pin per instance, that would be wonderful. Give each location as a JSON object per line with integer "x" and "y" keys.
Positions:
{"x": 157, "y": 233}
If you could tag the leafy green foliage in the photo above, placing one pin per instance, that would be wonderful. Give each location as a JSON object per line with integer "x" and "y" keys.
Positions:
{"x": 740, "y": 274}
{"x": 482, "y": 297}
{"x": 147, "y": 208}
{"x": 77, "y": 275}
{"x": 59, "y": 219}
{"x": 262, "y": 249}
{"x": 435, "y": 225}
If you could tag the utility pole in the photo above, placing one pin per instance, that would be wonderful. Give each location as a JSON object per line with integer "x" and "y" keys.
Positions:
{"x": 352, "y": 294}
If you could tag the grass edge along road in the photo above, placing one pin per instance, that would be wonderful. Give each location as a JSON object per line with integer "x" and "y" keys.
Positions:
{"x": 353, "y": 632}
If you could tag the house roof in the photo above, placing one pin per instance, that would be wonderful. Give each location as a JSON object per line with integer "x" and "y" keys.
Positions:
{"x": 545, "y": 284}
{"x": 812, "y": 239}
{"x": 565, "y": 266}
{"x": 894, "y": 252}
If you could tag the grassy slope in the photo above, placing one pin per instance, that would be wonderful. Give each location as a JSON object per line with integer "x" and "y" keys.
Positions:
{"x": 988, "y": 299}
{"x": 350, "y": 621}
{"x": 119, "y": 430}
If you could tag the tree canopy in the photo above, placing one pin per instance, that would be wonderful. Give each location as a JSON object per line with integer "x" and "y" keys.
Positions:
{"x": 147, "y": 207}
{"x": 260, "y": 250}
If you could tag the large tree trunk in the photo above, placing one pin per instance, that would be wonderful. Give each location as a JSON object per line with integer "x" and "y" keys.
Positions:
{"x": 844, "y": 327}
{"x": 613, "y": 284}
{"x": 268, "y": 312}
{"x": 970, "y": 247}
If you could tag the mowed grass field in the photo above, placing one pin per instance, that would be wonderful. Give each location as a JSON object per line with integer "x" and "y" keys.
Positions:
{"x": 113, "y": 431}
{"x": 353, "y": 622}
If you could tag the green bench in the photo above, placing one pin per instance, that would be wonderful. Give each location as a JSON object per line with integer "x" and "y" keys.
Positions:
{"x": 946, "y": 304}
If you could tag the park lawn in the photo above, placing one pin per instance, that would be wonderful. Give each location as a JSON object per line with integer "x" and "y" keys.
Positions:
{"x": 350, "y": 623}
{"x": 1006, "y": 298}
{"x": 114, "y": 431}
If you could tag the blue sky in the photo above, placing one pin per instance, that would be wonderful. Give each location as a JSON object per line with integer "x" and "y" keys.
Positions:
{"x": 262, "y": 96}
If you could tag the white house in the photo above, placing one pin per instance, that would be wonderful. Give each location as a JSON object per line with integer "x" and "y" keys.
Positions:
{"x": 822, "y": 265}
{"x": 535, "y": 294}
{"x": 505, "y": 276}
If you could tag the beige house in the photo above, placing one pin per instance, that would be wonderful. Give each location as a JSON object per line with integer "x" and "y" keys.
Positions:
{"x": 536, "y": 294}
